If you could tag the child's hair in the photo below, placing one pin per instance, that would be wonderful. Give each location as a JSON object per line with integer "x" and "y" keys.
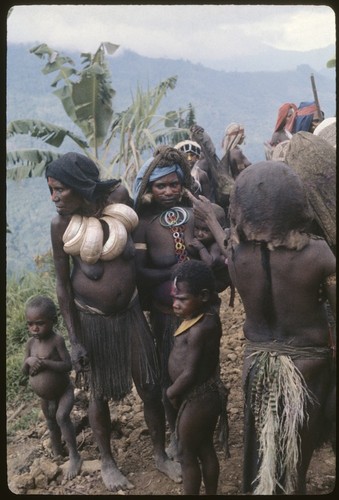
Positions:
{"x": 45, "y": 304}
{"x": 197, "y": 274}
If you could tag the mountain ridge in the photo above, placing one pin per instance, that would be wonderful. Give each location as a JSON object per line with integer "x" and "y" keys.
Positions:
{"x": 218, "y": 97}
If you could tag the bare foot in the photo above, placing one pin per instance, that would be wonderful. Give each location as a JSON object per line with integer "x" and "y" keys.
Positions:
{"x": 169, "y": 468}
{"x": 74, "y": 467}
{"x": 113, "y": 479}
{"x": 172, "y": 449}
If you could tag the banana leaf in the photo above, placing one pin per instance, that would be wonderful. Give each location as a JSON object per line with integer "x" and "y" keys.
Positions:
{"x": 28, "y": 163}
{"x": 49, "y": 133}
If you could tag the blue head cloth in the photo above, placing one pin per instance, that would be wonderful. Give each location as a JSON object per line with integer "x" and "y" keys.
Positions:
{"x": 156, "y": 174}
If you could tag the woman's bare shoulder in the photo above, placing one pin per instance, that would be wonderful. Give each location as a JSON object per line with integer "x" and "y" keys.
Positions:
{"x": 59, "y": 221}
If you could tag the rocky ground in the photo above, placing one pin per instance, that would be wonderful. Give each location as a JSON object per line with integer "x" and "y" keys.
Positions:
{"x": 32, "y": 471}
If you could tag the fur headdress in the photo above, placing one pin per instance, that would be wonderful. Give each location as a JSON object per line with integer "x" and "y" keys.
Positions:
{"x": 268, "y": 204}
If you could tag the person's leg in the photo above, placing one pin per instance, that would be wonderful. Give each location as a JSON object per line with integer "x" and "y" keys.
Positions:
{"x": 65, "y": 406}
{"x": 163, "y": 326}
{"x": 100, "y": 422}
{"x": 209, "y": 465}
{"x": 150, "y": 394}
{"x": 317, "y": 376}
{"x": 49, "y": 410}
{"x": 196, "y": 428}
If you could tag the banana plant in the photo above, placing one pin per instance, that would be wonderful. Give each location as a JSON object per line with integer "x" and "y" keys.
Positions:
{"x": 331, "y": 63}
{"x": 139, "y": 128}
{"x": 86, "y": 96}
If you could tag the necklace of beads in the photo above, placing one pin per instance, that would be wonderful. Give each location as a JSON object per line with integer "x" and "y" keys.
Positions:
{"x": 175, "y": 219}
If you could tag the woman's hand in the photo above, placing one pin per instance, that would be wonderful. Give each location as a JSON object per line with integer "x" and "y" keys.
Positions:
{"x": 79, "y": 358}
{"x": 202, "y": 207}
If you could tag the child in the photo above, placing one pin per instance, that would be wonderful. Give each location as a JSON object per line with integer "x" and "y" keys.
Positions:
{"x": 196, "y": 390}
{"x": 209, "y": 250}
{"x": 47, "y": 362}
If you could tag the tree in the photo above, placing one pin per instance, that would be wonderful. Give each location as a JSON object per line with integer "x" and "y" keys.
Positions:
{"x": 331, "y": 63}
{"x": 86, "y": 96}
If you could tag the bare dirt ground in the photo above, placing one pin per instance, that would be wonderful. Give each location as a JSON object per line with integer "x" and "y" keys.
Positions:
{"x": 32, "y": 471}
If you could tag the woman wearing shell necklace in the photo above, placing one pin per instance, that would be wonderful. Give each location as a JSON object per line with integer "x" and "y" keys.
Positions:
{"x": 162, "y": 240}
{"x": 111, "y": 343}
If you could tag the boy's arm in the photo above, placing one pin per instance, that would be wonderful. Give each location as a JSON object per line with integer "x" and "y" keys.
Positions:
{"x": 26, "y": 365}
{"x": 203, "y": 252}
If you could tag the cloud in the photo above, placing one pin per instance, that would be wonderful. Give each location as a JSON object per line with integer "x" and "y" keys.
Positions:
{"x": 195, "y": 32}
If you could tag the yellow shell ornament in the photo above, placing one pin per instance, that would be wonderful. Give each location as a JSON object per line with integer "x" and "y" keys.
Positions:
{"x": 124, "y": 214}
{"x": 92, "y": 243}
{"x": 84, "y": 236}
{"x": 72, "y": 228}
{"x": 116, "y": 241}
{"x": 73, "y": 237}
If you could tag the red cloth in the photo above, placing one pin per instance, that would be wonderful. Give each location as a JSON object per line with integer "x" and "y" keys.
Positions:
{"x": 282, "y": 115}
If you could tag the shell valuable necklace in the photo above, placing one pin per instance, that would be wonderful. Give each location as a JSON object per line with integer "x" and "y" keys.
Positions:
{"x": 84, "y": 236}
{"x": 175, "y": 219}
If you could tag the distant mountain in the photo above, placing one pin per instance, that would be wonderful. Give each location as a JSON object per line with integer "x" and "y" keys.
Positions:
{"x": 271, "y": 59}
{"x": 218, "y": 97}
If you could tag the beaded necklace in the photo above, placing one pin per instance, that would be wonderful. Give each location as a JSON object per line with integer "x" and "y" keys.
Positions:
{"x": 175, "y": 219}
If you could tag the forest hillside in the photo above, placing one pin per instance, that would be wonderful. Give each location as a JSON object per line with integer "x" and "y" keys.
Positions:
{"x": 218, "y": 98}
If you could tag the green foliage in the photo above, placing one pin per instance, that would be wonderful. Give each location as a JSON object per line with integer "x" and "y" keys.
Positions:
{"x": 18, "y": 389}
{"x": 24, "y": 420}
{"x": 86, "y": 95}
{"x": 331, "y": 63}
{"x": 139, "y": 127}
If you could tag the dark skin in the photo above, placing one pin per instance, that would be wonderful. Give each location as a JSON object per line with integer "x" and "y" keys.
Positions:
{"x": 205, "y": 213}
{"x": 108, "y": 286}
{"x": 48, "y": 363}
{"x": 156, "y": 262}
{"x": 193, "y": 360}
{"x": 297, "y": 277}
{"x": 209, "y": 252}
{"x": 278, "y": 137}
{"x": 300, "y": 318}
{"x": 238, "y": 161}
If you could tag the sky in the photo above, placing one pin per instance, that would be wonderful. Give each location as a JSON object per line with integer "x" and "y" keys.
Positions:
{"x": 198, "y": 33}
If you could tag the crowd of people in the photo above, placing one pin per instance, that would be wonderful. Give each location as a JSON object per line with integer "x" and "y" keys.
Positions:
{"x": 138, "y": 278}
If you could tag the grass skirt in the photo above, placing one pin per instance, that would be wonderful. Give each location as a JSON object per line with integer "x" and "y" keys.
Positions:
{"x": 163, "y": 327}
{"x": 276, "y": 401}
{"x": 111, "y": 343}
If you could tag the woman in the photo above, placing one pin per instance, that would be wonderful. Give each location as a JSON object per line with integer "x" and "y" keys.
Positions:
{"x": 111, "y": 344}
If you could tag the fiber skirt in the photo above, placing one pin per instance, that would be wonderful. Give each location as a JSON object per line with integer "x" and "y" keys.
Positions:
{"x": 116, "y": 345}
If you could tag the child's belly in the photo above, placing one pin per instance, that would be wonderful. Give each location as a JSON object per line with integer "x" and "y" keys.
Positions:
{"x": 49, "y": 385}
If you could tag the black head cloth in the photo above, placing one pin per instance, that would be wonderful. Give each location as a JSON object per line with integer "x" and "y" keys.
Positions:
{"x": 81, "y": 174}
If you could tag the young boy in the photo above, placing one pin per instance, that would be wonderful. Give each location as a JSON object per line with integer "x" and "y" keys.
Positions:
{"x": 47, "y": 362}
{"x": 196, "y": 391}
